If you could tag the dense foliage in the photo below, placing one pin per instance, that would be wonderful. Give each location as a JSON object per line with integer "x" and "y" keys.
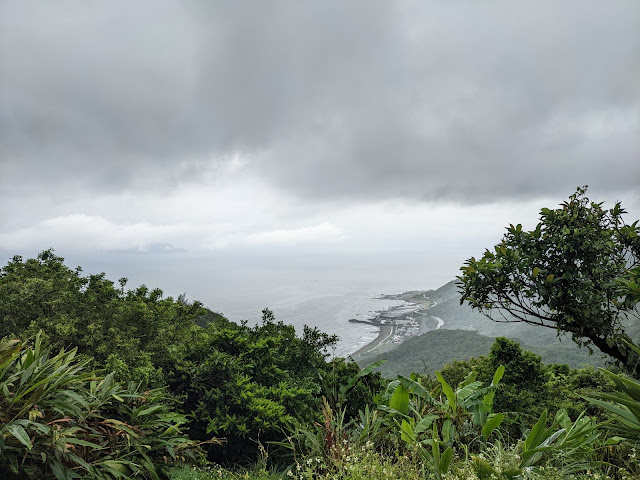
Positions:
{"x": 433, "y": 428}
{"x": 238, "y": 383}
{"x": 135, "y": 332}
{"x": 245, "y": 383}
{"x": 431, "y": 351}
{"x": 576, "y": 272}
{"x": 59, "y": 421}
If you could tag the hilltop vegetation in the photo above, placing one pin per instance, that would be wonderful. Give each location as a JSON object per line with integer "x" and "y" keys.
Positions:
{"x": 205, "y": 388}
{"x": 234, "y": 382}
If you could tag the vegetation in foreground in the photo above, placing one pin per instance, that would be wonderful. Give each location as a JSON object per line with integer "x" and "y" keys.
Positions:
{"x": 149, "y": 387}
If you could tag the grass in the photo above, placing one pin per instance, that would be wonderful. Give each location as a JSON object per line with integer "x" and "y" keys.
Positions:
{"x": 219, "y": 473}
{"x": 368, "y": 464}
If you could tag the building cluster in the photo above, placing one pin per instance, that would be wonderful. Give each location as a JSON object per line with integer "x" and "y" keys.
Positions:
{"x": 405, "y": 328}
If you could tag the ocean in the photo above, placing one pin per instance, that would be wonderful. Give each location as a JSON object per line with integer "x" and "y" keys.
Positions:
{"x": 323, "y": 295}
{"x": 328, "y": 306}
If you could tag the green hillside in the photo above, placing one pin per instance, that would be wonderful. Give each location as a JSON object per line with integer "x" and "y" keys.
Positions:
{"x": 462, "y": 317}
{"x": 429, "y": 352}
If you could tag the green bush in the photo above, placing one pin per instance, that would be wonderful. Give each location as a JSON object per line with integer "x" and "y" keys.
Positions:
{"x": 246, "y": 383}
{"x": 59, "y": 421}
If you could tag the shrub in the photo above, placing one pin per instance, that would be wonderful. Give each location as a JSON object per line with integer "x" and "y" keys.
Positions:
{"x": 59, "y": 421}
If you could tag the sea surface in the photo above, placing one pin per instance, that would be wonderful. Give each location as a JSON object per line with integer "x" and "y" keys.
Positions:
{"x": 322, "y": 296}
{"x": 326, "y": 306}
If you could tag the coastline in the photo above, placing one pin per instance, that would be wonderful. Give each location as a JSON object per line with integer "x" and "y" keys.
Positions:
{"x": 383, "y": 334}
{"x": 393, "y": 321}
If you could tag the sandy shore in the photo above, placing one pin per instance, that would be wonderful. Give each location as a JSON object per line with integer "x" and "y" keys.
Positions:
{"x": 392, "y": 314}
{"x": 385, "y": 331}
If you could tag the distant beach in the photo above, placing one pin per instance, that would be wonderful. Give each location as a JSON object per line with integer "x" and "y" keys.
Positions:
{"x": 399, "y": 322}
{"x": 384, "y": 333}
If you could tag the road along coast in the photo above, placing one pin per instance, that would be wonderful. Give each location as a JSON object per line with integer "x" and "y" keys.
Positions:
{"x": 398, "y": 323}
{"x": 385, "y": 332}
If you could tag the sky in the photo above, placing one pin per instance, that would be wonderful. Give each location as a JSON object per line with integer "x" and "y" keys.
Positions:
{"x": 322, "y": 135}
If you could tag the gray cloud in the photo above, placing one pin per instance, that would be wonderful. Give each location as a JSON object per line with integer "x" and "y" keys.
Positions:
{"x": 152, "y": 248}
{"x": 464, "y": 100}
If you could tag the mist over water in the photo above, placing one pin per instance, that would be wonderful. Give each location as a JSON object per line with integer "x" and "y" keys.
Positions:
{"x": 319, "y": 291}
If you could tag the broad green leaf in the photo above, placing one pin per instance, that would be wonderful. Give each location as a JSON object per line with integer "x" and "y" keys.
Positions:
{"x": 424, "y": 424}
{"x": 467, "y": 390}
{"x": 20, "y": 434}
{"x": 151, "y": 409}
{"x": 365, "y": 371}
{"x": 483, "y": 469}
{"x": 562, "y": 419}
{"x": 406, "y": 432}
{"x": 445, "y": 460}
{"x": 119, "y": 467}
{"x": 448, "y": 430}
{"x": 625, "y": 415}
{"x": 470, "y": 378}
{"x": 626, "y": 385}
{"x": 80, "y": 461}
{"x": 414, "y": 387}
{"x": 448, "y": 391}
{"x": 497, "y": 376}
{"x": 400, "y": 400}
{"x": 77, "y": 441}
{"x": 492, "y": 423}
{"x": 58, "y": 470}
{"x": 535, "y": 435}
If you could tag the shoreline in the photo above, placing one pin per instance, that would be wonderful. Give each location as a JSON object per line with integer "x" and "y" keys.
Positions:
{"x": 414, "y": 301}
{"x": 383, "y": 334}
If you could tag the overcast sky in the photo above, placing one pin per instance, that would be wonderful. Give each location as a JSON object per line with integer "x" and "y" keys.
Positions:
{"x": 283, "y": 128}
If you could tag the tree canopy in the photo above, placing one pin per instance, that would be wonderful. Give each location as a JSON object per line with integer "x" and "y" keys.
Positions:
{"x": 575, "y": 272}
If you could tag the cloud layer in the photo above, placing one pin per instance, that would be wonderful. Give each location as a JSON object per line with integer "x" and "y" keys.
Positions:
{"x": 321, "y": 135}
{"x": 363, "y": 100}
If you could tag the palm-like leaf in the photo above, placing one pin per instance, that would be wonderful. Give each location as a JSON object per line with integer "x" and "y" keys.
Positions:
{"x": 624, "y": 405}
{"x": 58, "y": 421}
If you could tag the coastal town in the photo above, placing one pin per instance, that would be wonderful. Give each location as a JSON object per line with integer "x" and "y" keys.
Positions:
{"x": 396, "y": 324}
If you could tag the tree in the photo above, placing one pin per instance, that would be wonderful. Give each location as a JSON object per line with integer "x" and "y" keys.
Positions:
{"x": 522, "y": 388}
{"x": 574, "y": 272}
{"x": 137, "y": 332}
{"x": 246, "y": 383}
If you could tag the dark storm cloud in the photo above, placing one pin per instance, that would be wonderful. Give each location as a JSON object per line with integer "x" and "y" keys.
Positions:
{"x": 459, "y": 99}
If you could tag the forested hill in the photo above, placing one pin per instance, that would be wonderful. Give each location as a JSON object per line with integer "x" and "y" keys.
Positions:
{"x": 429, "y": 352}
{"x": 462, "y": 317}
